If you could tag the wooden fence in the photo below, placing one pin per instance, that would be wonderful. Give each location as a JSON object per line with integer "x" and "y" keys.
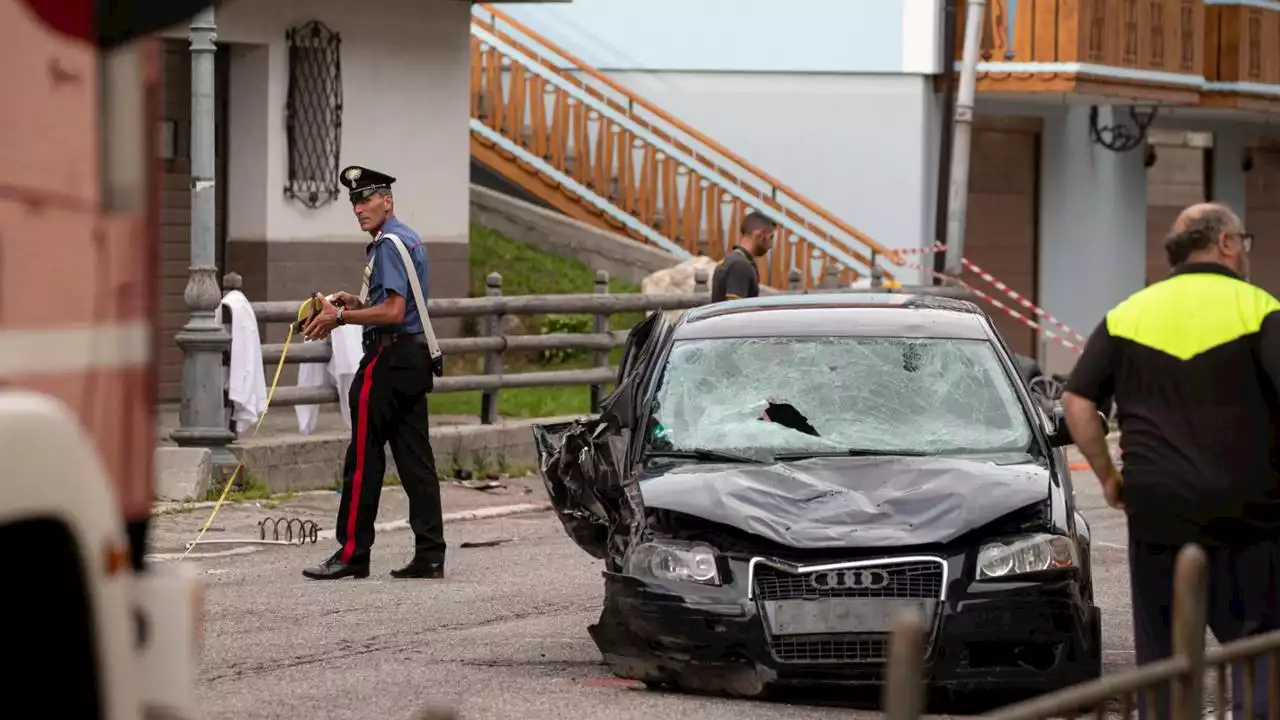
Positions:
{"x": 493, "y": 342}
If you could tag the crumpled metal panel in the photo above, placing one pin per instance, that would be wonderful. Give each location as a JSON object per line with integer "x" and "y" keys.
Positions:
{"x": 850, "y": 502}
{"x": 581, "y": 467}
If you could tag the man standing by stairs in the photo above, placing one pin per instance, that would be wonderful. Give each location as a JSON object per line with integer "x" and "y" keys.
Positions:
{"x": 737, "y": 276}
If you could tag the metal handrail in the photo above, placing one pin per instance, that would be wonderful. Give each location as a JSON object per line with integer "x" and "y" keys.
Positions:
{"x": 622, "y": 119}
{"x": 772, "y": 187}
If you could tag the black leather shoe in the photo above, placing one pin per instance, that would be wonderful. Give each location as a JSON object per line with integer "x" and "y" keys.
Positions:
{"x": 430, "y": 569}
{"x": 334, "y": 569}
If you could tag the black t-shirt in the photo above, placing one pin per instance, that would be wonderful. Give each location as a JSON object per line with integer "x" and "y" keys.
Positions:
{"x": 1193, "y": 363}
{"x": 735, "y": 277}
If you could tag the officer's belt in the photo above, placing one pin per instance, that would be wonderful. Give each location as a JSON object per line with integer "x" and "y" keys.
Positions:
{"x": 383, "y": 339}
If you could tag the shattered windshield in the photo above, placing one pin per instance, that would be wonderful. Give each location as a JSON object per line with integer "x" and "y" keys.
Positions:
{"x": 825, "y": 394}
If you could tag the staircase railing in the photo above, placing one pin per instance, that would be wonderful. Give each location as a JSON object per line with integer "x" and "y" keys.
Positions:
{"x": 571, "y": 122}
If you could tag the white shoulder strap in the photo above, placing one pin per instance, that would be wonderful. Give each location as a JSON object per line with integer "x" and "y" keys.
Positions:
{"x": 421, "y": 302}
{"x": 368, "y": 275}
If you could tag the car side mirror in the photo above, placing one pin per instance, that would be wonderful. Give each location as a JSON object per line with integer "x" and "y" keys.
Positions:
{"x": 1061, "y": 434}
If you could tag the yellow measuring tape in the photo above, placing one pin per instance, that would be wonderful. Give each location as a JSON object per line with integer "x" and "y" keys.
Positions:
{"x": 304, "y": 311}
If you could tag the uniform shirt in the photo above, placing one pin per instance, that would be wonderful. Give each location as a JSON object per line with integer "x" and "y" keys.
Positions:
{"x": 389, "y": 274}
{"x": 1193, "y": 363}
{"x": 735, "y": 277}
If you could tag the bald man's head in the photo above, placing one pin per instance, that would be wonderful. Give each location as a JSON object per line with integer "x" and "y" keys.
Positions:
{"x": 1215, "y": 214}
{"x": 1208, "y": 232}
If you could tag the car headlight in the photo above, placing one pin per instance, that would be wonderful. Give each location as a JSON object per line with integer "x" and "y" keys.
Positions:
{"x": 674, "y": 560}
{"x": 1026, "y": 554}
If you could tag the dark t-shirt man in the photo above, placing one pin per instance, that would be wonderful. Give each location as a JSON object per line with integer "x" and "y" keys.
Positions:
{"x": 735, "y": 277}
{"x": 1191, "y": 362}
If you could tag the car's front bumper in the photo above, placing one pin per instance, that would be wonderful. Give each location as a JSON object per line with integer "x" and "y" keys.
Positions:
{"x": 1016, "y": 636}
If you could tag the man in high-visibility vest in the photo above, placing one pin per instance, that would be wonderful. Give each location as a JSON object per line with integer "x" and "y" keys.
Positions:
{"x": 1193, "y": 363}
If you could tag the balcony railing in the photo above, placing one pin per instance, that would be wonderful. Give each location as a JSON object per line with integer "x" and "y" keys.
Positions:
{"x": 1237, "y": 37}
{"x": 1157, "y": 36}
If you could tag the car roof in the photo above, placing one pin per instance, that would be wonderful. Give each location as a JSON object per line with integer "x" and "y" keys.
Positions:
{"x": 838, "y": 315}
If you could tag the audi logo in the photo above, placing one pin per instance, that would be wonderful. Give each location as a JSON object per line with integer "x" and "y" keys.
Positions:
{"x": 851, "y": 579}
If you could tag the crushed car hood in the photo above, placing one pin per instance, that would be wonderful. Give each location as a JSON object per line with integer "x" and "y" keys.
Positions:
{"x": 851, "y": 501}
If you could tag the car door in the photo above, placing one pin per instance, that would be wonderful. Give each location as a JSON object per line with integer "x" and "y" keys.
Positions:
{"x": 584, "y": 462}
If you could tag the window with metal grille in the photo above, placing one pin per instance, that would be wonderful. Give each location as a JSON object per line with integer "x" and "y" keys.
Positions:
{"x": 314, "y": 114}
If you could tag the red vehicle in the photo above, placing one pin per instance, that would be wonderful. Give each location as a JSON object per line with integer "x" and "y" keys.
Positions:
{"x": 79, "y": 275}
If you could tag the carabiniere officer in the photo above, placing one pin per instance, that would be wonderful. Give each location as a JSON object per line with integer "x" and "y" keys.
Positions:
{"x": 388, "y": 396}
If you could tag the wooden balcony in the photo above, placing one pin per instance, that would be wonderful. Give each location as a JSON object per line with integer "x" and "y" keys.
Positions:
{"x": 1129, "y": 50}
{"x": 1242, "y": 57}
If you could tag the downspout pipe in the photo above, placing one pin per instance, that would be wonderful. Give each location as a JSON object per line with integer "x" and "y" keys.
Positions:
{"x": 942, "y": 195}
{"x": 975, "y": 11}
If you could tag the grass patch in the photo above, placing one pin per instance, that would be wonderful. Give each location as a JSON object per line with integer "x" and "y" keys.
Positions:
{"x": 519, "y": 402}
{"x": 248, "y": 487}
{"x": 527, "y": 271}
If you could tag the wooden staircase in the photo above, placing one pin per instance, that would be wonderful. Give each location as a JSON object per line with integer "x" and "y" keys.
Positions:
{"x": 597, "y": 152}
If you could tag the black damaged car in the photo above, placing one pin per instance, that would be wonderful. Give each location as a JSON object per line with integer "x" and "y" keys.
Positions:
{"x": 774, "y": 480}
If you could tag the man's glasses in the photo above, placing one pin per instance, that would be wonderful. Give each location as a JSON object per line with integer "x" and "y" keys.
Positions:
{"x": 1246, "y": 239}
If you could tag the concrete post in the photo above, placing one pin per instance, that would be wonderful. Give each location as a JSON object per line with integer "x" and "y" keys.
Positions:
{"x": 201, "y": 420}
{"x": 832, "y": 279}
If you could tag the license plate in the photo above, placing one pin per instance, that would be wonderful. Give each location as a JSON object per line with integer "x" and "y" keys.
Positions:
{"x": 839, "y": 615}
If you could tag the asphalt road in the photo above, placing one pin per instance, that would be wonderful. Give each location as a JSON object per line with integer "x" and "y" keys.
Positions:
{"x": 504, "y": 636}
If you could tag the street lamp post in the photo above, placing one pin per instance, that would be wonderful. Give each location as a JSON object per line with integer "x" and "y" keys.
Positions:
{"x": 202, "y": 417}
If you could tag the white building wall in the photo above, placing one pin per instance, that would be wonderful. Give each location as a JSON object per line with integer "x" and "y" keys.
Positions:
{"x": 831, "y": 97}
{"x": 861, "y": 146}
{"x": 796, "y": 36}
{"x": 406, "y": 105}
{"x": 405, "y": 109}
{"x": 1093, "y": 226}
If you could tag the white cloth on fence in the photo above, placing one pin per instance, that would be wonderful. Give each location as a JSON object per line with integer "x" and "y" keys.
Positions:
{"x": 339, "y": 373}
{"x": 246, "y": 380}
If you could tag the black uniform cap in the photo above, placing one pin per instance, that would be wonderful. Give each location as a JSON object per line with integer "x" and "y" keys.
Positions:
{"x": 362, "y": 182}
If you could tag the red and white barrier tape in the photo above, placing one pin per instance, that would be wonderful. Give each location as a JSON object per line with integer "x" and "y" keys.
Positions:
{"x": 1013, "y": 313}
{"x": 1023, "y": 301}
{"x": 921, "y": 251}
{"x": 1010, "y": 292}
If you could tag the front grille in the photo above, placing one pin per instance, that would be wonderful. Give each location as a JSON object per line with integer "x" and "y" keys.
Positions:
{"x": 843, "y": 649}
{"x": 913, "y": 579}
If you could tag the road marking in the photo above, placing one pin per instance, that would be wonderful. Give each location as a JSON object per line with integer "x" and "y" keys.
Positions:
{"x": 1111, "y": 545}
{"x": 46, "y": 351}
{"x": 164, "y": 507}
{"x": 221, "y": 553}
{"x": 465, "y": 515}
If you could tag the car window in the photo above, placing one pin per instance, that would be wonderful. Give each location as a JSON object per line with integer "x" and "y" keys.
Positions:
{"x": 877, "y": 394}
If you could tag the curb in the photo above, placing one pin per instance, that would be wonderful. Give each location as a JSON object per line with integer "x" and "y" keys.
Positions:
{"x": 460, "y": 516}
{"x": 453, "y": 517}
{"x": 166, "y": 507}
